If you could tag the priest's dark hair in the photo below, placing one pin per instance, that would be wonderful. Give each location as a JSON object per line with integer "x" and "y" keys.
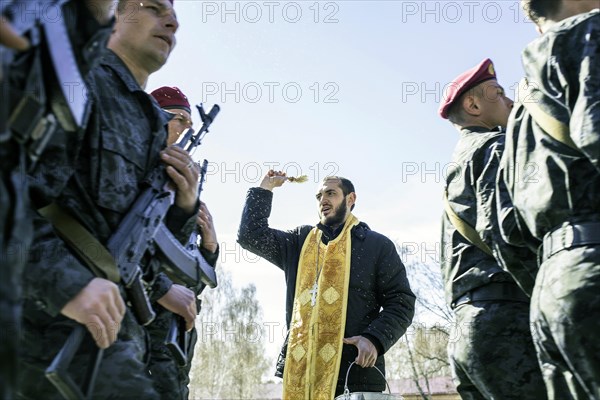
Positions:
{"x": 345, "y": 184}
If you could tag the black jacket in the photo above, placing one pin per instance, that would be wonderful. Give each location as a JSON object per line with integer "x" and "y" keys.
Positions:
{"x": 470, "y": 185}
{"x": 542, "y": 182}
{"x": 380, "y": 301}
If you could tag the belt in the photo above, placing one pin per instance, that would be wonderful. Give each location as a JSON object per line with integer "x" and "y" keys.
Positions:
{"x": 570, "y": 235}
{"x": 495, "y": 291}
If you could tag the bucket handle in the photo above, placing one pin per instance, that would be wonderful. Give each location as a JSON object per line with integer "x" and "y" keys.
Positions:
{"x": 347, "y": 391}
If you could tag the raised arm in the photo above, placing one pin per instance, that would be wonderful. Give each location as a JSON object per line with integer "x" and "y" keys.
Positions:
{"x": 254, "y": 233}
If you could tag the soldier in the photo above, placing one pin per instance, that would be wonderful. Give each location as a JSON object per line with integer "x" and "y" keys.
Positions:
{"x": 87, "y": 24}
{"x": 94, "y": 177}
{"x": 176, "y": 104}
{"x": 171, "y": 380}
{"x": 348, "y": 298}
{"x": 493, "y": 357}
{"x": 556, "y": 129}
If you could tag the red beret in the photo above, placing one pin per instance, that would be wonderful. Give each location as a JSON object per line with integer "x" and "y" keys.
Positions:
{"x": 465, "y": 81}
{"x": 171, "y": 97}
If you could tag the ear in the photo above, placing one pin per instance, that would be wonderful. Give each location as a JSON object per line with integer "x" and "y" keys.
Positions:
{"x": 350, "y": 199}
{"x": 470, "y": 104}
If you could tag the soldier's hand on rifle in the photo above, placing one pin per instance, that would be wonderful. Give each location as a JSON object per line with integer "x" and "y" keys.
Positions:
{"x": 183, "y": 171}
{"x": 181, "y": 301}
{"x": 207, "y": 229}
{"x": 100, "y": 307}
{"x": 273, "y": 179}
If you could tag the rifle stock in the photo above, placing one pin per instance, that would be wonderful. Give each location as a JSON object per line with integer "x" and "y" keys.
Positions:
{"x": 58, "y": 374}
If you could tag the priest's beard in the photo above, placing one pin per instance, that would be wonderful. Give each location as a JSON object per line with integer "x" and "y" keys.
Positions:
{"x": 338, "y": 217}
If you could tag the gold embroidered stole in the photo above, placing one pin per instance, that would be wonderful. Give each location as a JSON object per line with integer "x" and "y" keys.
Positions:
{"x": 314, "y": 352}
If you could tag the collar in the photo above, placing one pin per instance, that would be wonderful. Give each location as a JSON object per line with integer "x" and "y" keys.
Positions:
{"x": 359, "y": 231}
{"x": 165, "y": 116}
{"x": 330, "y": 233}
{"x": 112, "y": 60}
{"x": 481, "y": 129}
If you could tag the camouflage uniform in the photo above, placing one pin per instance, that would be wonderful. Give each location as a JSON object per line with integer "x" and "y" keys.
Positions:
{"x": 171, "y": 380}
{"x": 492, "y": 354}
{"x": 559, "y": 206}
{"x": 95, "y": 175}
{"x": 16, "y": 230}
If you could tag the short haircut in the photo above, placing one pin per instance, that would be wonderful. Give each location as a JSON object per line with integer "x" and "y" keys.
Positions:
{"x": 345, "y": 184}
{"x": 456, "y": 113}
{"x": 540, "y": 9}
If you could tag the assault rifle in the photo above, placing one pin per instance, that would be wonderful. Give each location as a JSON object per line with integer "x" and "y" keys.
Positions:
{"x": 143, "y": 231}
{"x": 140, "y": 234}
{"x": 178, "y": 340}
{"x": 179, "y": 261}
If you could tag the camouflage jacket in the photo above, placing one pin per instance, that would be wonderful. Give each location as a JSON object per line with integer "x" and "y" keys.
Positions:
{"x": 95, "y": 175}
{"x": 470, "y": 185}
{"x": 543, "y": 182}
{"x": 29, "y": 72}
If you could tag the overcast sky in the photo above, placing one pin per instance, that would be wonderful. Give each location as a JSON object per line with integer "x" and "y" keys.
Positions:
{"x": 334, "y": 87}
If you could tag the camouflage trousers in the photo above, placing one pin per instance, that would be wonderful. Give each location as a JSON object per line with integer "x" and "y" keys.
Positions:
{"x": 170, "y": 380}
{"x": 565, "y": 311}
{"x": 492, "y": 355}
{"x": 123, "y": 372}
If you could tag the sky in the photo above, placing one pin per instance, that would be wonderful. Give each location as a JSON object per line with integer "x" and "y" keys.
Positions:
{"x": 346, "y": 88}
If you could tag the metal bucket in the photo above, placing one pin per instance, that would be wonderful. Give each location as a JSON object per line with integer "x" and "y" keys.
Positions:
{"x": 367, "y": 395}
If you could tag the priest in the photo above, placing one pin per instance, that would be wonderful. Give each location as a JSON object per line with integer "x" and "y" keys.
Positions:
{"x": 348, "y": 297}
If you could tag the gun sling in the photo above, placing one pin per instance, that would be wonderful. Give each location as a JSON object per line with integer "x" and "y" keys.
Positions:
{"x": 465, "y": 229}
{"x": 553, "y": 127}
{"x": 80, "y": 240}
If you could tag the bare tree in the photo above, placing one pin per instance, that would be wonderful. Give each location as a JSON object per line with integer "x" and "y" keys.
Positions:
{"x": 229, "y": 360}
{"x": 247, "y": 363}
{"x": 425, "y": 277}
{"x": 422, "y": 354}
{"x": 208, "y": 369}
{"x": 415, "y": 372}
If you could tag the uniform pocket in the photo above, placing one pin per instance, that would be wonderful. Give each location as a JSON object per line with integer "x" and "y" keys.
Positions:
{"x": 122, "y": 163}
